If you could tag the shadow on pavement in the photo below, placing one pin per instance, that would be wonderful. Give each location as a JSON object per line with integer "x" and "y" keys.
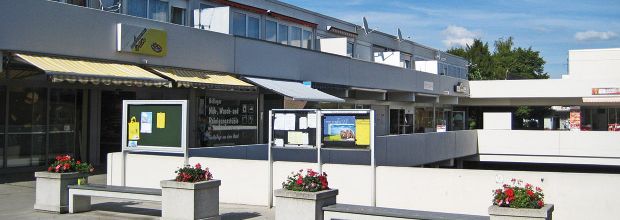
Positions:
{"x": 239, "y": 215}
{"x": 16, "y": 177}
{"x": 125, "y": 207}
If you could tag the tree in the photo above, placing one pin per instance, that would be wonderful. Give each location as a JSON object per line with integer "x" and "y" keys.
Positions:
{"x": 479, "y": 57}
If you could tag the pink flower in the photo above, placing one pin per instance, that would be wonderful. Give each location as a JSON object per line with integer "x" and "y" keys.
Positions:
{"x": 198, "y": 166}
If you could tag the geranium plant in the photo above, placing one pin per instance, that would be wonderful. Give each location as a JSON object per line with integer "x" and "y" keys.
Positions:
{"x": 193, "y": 174}
{"x": 517, "y": 196}
{"x": 310, "y": 182}
{"x": 67, "y": 164}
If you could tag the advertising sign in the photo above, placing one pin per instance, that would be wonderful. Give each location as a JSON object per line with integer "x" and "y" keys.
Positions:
{"x": 575, "y": 118}
{"x": 346, "y": 130}
{"x": 606, "y": 91}
{"x": 428, "y": 85}
{"x": 339, "y": 128}
{"x": 141, "y": 40}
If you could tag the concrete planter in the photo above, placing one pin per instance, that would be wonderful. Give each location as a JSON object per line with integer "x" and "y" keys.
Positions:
{"x": 182, "y": 200}
{"x": 504, "y": 213}
{"x": 52, "y": 193}
{"x": 303, "y": 205}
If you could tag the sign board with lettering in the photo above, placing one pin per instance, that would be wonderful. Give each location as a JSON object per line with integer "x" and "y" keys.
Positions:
{"x": 429, "y": 85}
{"x": 460, "y": 87}
{"x": 141, "y": 40}
{"x": 228, "y": 122}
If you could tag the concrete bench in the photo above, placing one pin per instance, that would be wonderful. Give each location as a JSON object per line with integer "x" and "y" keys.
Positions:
{"x": 79, "y": 195}
{"x": 358, "y": 212}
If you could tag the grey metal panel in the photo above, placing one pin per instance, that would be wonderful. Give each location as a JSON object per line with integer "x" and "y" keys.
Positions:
{"x": 440, "y": 146}
{"x": 339, "y": 156}
{"x": 52, "y": 28}
{"x": 466, "y": 143}
{"x": 380, "y": 76}
{"x": 295, "y": 90}
{"x": 429, "y": 77}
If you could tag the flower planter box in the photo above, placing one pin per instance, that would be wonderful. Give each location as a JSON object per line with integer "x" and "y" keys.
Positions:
{"x": 52, "y": 193}
{"x": 501, "y": 213}
{"x": 184, "y": 200}
{"x": 303, "y": 205}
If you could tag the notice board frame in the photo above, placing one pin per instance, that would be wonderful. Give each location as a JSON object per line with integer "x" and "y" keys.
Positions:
{"x": 182, "y": 149}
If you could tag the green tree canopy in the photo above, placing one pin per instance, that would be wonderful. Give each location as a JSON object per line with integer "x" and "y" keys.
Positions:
{"x": 504, "y": 63}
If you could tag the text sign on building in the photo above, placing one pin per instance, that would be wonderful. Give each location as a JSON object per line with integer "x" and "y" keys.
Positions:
{"x": 605, "y": 91}
{"x": 460, "y": 88}
{"x": 141, "y": 40}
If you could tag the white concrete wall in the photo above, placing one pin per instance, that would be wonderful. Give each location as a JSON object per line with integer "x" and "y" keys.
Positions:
{"x": 497, "y": 120}
{"x": 427, "y": 66}
{"x": 336, "y": 46}
{"x": 576, "y": 195}
{"x": 539, "y": 88}
{"x": 594, "y": 64}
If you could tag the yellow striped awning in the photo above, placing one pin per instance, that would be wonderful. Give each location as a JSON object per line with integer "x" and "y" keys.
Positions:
{"x": 84, "y": 71}
{"x": 203, "y": 79}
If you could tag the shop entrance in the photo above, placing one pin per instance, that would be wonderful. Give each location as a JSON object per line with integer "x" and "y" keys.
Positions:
{"x": 111, "y": 119}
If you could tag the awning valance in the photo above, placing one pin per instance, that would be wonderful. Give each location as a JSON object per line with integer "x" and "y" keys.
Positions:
{"x": 203, "y": 79}
{"x": 85, "y": 71}
{"x": 295, "y": 90}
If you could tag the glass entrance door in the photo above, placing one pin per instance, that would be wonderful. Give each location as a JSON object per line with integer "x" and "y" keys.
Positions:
{"x": 26, "y": 138}
{"x": 458, "y": 120}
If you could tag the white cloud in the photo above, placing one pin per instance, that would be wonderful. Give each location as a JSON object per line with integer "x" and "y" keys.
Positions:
{"x": 456, "y": 36}
{"x": 595, "y": 35}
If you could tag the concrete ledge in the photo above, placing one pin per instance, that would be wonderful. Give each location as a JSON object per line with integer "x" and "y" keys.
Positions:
{"x": 305, "y": 195}
{"x": 51, "y": 175}
{"x": 542, "y": 213}
{"x": 192, "y": 186}
{"x": 397, "y": 213}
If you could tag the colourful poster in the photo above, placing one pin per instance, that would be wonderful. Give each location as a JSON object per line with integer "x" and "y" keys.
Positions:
{"x": 146, "y": 122}
{"x": 363, "y": 131}
{"x": 339, "y": 128}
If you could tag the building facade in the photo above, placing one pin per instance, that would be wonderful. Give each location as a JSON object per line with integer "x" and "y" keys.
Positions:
{"x": 67, "y": 66}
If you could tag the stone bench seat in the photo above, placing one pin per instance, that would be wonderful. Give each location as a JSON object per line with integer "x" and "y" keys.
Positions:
{"x": 345, "y": 211}
{"x": 79, "y": 195}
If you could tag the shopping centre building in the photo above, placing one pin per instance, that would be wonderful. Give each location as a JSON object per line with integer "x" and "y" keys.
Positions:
{"x": 67, "y": 65}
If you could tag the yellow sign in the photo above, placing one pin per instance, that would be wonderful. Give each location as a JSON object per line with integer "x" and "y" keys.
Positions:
{"x": 161, "y": 120}
{"x": 151, "y": 42}
{"x": 141, "y": 40}
{"x": 133, "y": 129}
{"x": 362, "y": 127}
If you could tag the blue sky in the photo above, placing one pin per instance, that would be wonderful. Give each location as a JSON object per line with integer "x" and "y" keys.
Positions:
{"x": 552, "y": 27}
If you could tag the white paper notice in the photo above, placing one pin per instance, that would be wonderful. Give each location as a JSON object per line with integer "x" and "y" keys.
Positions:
{"x": 279, "y": 142}
{"x": 279, "y": 122}
{"x": 146, "y": 122}
{"x": 305, "y": 138}
{"x": 303, "y": 123}
{"x": 312, "y": 120}
{"x": 289, "y": 122}
{"x": 294, "y": 137}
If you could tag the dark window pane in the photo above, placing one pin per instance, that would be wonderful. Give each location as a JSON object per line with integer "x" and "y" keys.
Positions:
{"x": 239, "y": 24}
{"x": 178, "y": 16}
{"x": 62, "y": 128}
{"x": 253, "y": 27}
{"x": 26, "y": 131}
{"x": 77, "y": 2}
{"x": 271, "y": 31}
{"x": 136, "y": 8}
{"x": 2, "y": 123}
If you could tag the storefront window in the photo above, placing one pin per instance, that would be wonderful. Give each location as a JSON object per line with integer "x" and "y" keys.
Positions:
{"x": 227, "y": 120}
{"x": 62, "y": 127}
{"x": 26, "y": 131}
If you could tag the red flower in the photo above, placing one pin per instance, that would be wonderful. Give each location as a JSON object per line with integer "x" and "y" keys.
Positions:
{"x": 67, "y": 166}
{"x": 530, "y": 193}
{"x": 198, "y": 166}
{"x": 527, "y": 185}
{"x": 77, "y": 162}
{"x": 540, "y": 203}
{"x": 49, "y": 169}
{"x": 300, "y": 180}
{"x": 509, "y": 192}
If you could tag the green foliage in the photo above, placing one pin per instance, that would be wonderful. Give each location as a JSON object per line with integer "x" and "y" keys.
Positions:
{"x": 311, "y": 182}
{"x": 505, "y": 62}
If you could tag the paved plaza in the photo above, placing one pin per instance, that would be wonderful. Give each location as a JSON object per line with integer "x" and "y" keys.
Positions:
{"x": 17, "y": 198}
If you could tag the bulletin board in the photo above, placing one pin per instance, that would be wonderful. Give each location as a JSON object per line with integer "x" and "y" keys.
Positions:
{"x": 155, "y": 125}
{"x": 294, "y": 128}
{"x": 346, "y": 129}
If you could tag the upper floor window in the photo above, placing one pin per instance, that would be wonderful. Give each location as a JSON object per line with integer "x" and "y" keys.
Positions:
{"x": 283, "y": 34}
{"x": 173, "y": 11}
{"x": 137, "y": 8}
{"x": 178, "y": 16}
{"x": 245, "y": 25}
{"x": 306, "y": 39}
{"x": 295, "y": 36}
{"x": 73, "y": 2}
{"x": 271, "y": 31}
{"x": 350, "y": 49}
{"x": 158, "y": 10}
